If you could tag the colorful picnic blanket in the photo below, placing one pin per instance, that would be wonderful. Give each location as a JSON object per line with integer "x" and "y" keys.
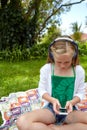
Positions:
{"x": 15, "y": 104}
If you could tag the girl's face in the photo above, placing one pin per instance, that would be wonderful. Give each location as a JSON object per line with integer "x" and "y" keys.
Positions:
{"x": 63, "y": 61}
{"x": 63, "y": 53}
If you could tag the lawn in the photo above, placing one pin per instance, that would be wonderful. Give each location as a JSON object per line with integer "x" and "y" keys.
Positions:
{"x": 21, "y": 76}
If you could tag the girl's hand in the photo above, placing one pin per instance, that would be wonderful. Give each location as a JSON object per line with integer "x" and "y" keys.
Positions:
{"x": 69, "y": 106}
{"x": 56, "y": 105}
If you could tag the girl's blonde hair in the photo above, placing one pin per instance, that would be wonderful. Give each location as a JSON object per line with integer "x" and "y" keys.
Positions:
{"x": 60, "y": 46}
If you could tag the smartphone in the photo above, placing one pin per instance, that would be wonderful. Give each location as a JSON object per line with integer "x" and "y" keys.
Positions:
{"x": 63, "y": 111}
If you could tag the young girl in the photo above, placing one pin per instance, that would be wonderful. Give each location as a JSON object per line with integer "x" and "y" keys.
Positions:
{"x": 61, "y": 85}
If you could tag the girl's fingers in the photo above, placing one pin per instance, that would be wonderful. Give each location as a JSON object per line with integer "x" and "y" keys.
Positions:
{"x": 56, "y": 107}
{"x": 69, "y": 107}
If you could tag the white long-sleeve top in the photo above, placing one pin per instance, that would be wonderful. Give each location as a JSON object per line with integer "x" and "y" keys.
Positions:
{"x": 45, "y": 85}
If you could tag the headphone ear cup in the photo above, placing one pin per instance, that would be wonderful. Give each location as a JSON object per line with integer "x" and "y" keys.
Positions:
{"x": 76, "y": 50}
{"x": 75, "y": 55}
{"x": 51, "y": 56}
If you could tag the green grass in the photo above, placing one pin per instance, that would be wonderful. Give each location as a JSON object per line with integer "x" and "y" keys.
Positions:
{"x": 19, "y": 76}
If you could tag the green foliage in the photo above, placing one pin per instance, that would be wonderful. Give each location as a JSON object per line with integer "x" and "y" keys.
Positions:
{"x": 77, "y": 36}
{"x": 83, "y": 49}
{"x": 39, "y": 51}
{"x": 83, "y": 62}
{"x": 16, "y": 54}
{"x": 76, "y": 29}
{"x": 12, "y": 27}
{"x": 52, "y": 33}
{"x": 19, "y": 54}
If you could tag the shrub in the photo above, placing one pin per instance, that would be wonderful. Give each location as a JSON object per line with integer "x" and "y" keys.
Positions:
{"x": 17, "y": 54}
{"x": 83, "y": 49}
{"x": 36, "y": 52}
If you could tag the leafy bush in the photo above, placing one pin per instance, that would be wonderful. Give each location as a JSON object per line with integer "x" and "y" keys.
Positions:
{"x": 36, "y": 52}
{"x": 39, "y": 51}
{"x": 83, "y": 49}
{"x": 17, "y": 54}
{"x": 12, "y": 27}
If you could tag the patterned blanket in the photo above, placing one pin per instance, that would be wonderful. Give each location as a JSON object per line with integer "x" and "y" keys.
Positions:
{"x": 15, "y": 104}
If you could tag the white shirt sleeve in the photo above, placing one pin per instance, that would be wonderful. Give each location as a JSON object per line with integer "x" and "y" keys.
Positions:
{"x": 79, "y": 89}
{"x": 45, "y": 80}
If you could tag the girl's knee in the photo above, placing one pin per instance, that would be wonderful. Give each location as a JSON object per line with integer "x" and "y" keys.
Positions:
{"x": 71, "y": 117}
{"x": 22, "y": 123}
{"x": 76, "y": 117}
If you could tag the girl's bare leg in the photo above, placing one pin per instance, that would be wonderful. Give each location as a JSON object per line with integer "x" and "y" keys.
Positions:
{"x": 75, "y": 126}
{"x": 77, "y": 117}
{"x": 36, "y": 120}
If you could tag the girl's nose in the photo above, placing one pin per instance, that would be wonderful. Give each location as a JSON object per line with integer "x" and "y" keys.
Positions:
{"x": 62, "y": 65}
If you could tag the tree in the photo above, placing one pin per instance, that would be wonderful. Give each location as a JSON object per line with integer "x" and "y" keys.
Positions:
{"x": 12, "y": 25}
{"x": 32, "y": 19}
{"x": 76, "y": 29}
{"x": 52, "y": 32}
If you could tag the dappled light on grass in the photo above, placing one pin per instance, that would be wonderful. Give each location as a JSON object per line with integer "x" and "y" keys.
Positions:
{"x": 20, "y": 76}
{"x": 33, "y": 81}
{"x": 14, "y": 84}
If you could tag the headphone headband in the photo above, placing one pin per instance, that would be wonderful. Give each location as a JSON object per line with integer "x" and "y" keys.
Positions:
{"x": 64, "y": 39}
